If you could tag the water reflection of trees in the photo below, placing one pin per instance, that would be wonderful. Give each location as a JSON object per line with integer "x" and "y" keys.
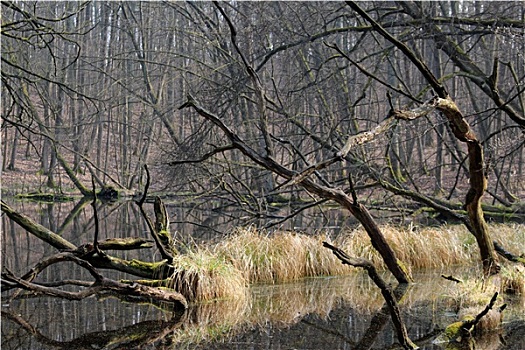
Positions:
{"x": 346, "y": 310}
{"x": 312, "y": 305}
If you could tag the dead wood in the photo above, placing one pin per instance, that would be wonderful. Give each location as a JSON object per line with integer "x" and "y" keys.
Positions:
{"x": 129, "y": 243}
{"x": 452, "y": 278}
{"x": 36, "y": 229}
{"x": 463, "y": 330}
{"x": 101, "y": 284}
{"x": 508, "y": 255}
{"x": 128, "y": 337}
{"x": 135, "y": 267}
{"x": 163, "y": 249}
{"x": 386, "y": 291}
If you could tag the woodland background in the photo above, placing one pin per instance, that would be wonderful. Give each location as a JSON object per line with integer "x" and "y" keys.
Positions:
{"x": 94, "y": 88}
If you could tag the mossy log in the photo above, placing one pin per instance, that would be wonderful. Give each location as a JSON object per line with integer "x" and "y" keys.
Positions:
{"x": 46, "y": 197}
{"x": 36, "y": 229}
{"x": 101, "y": 284}
{"x": 471, "y": 325}
{"x": 135, "y": 267}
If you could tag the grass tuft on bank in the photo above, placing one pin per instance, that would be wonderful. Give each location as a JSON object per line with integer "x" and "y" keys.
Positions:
{"x": 281, "y": 256}
{"x": 202, "y": 275}
{"x": 249, "y": 255}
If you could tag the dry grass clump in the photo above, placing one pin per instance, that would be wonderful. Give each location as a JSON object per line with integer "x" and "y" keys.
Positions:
{"x": 278, "y": 257}
{"x": 513, "y": 279}
{"x": 207, "y": 276}
{"x": 418, "y": 248}
{"x": 289, "y": 256}
{"x": 430, "y": 247}
{"x": 472, "y": 292}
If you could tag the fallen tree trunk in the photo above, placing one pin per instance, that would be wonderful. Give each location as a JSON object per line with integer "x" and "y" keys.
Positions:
{"x": 36, "y": 229}
{"x": 101, "y": 284}
{"x": 508, "y": 255}
{"x": 135, "y": 267}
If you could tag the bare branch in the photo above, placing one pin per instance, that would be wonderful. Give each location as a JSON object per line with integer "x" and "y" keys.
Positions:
{"x": 162, "y": 249}
{"x": 204, "y": 156}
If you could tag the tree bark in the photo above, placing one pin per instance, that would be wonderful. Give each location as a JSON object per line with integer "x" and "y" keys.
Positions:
{"x": 463, "y": 132}
{"x": 478, "y": 183}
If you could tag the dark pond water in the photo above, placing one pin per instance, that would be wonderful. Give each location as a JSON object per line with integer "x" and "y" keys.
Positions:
{"x": 320, "y": 313}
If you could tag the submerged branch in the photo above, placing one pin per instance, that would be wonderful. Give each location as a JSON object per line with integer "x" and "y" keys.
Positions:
{"x": 132, "y": 336}
{"x": 387, "y": 293}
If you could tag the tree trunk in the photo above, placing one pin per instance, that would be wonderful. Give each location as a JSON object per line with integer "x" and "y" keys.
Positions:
{"x": 478, "y": 183}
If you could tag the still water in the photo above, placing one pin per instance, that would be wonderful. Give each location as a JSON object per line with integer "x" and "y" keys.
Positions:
{"x": 318, "y": 313}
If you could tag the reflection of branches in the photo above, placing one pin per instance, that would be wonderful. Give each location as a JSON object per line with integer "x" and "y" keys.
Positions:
{"x": 134, "y": 267}
{"x": 387, "y": 293}
{"x": 329, "y": 330}
{"x": 139, "y": 334}
{"x": 379, "y": 321}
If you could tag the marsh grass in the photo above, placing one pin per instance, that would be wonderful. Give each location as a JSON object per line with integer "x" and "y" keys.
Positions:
{"x": 203, "y": 275}
{"x": 513, "y": 279}
{"x": 418, "y": 248}
{"x": 288, "y": 256}
{"x": 278, "y": 257}
{"x": 222, "y": 270}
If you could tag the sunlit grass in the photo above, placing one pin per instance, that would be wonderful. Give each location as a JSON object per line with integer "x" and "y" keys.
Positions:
{"x": 278, "y": 257}
{"x": 513, "y": 279}
{"x": 418, "y": 248}
{"x": 216, "y": 278}
{"x": 204, "y": 275}
{"x": 248, "y": 255}
{"x": 287, "y": 256}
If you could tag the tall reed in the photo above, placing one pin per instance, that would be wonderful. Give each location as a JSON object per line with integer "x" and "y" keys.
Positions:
{"x": 204, "y": 275}
{"x": 249, "y": 255}
{"x": 278, "y": 257}
{"x": 265, "y": 257}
